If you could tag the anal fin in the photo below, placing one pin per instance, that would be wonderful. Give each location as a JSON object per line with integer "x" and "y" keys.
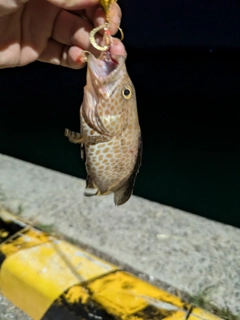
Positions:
{"x": 90, "y": 190}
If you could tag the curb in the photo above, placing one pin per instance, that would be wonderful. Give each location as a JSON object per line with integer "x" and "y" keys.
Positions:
{"x": 49, "y": 279}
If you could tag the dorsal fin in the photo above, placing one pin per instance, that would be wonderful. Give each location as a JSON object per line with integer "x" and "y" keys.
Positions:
{"x": 123, "y": 194}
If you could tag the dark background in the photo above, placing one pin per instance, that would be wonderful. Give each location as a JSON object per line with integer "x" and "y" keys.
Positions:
{"x": 183, "y": 57}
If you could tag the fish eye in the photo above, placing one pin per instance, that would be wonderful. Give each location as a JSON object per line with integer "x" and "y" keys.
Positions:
{"x": 127, "y": 92}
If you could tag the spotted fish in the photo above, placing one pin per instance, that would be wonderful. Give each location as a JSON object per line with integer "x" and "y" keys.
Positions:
{"x": 110, "y": 132}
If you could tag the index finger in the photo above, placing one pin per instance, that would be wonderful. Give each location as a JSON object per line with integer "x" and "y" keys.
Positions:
{"x": 74, "y": 4}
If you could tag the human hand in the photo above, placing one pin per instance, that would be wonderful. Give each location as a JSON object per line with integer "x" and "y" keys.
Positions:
{"x": 53, "y": 31}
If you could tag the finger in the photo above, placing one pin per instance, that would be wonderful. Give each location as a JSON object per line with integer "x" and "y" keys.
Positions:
{"x": 117, "y": 48}
{"x": 74, "y": 4}
{"x": 97, "y": 15}
{"x": 90, "y": 12}
{"x": 60, "y": 54}
{"x": 72, "y": 30}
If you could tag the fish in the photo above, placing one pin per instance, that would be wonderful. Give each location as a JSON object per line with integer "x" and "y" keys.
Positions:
{"x": 110, "y": 133}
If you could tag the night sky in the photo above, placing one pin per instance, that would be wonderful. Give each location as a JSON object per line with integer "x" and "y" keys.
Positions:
{"x": 183, "y": 58}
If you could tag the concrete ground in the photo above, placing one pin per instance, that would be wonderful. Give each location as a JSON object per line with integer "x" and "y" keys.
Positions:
{"x": 9, "y": 312}
{"x": 181, "y": 250}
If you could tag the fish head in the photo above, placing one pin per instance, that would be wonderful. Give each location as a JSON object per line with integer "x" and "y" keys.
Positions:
{"x": 109, "y": 95}
{"x": 108, "y": 74}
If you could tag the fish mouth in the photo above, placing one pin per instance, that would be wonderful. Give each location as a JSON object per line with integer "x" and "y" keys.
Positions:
{"x": 106, "y": 67}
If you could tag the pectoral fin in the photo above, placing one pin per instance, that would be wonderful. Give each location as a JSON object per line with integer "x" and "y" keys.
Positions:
{"x": 74, "y": 137}
{"x": 123, "y": 194}
{"x": 97, "y": 139}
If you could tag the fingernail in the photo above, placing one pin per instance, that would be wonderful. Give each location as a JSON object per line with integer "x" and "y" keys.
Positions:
{"x": 82, "y": 58}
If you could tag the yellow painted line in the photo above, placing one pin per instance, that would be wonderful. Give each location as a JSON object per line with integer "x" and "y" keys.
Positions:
{"x": 38, "y": 268}
{"x": 51, "y": 279}
{"x": 123, "y": 294}
{"x": 197, "y": 314}
{"x": 126, "y": 296}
